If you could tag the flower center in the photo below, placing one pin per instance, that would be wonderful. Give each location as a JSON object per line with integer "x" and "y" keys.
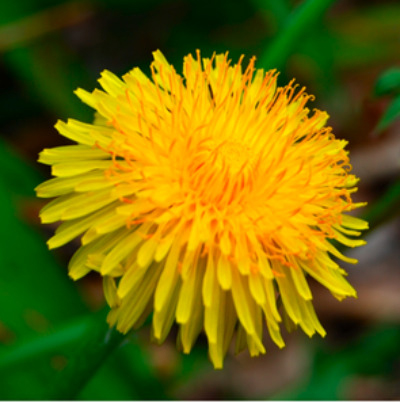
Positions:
{"x": 234, "y": 155}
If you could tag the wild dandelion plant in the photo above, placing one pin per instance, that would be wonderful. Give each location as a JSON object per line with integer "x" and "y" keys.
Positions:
{"x": 203, "y": 197}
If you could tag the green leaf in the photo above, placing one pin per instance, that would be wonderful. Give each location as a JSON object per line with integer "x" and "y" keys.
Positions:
{"x": 42, "y": 62}
{"x": 97, "y": 344}
{"x": 386, "y": 207}
{"x": 32, "y": 66}
{"x": 123, "y": 375}
{"x": 131, "y": 374}
{"x": 24, "y": 178}
{"x": 276, "y": 10}
{"x": 36, "y": 294}
{"x": 388, "y": 83}
{"x": 373, "y": 353}
{"x": 29, "y": 280}
{"x": 297, "y": 24}
{"x": 390, "y": 115}
{"x": 39, "y": 345}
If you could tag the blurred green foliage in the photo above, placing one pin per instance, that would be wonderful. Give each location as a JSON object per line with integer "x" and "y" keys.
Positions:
{"x": 374, "y": 353}
{"x": 51, "y": 47}
{"x": 389, "y": 84}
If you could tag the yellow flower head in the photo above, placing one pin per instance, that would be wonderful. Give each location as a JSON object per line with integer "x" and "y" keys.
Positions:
{"x": 202, "y": 197}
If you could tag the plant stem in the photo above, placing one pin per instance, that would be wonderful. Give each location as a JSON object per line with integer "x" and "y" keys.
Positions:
{"x": 297, "y": 23}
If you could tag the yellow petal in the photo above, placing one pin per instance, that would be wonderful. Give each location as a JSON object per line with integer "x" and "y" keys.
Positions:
{"x": 187, "y": 295}
{"x": 169, "y": 278}
{"x": 121, "y": 251}
{"x": 300, "y": 282}
{"x": 71, "y": 153}
{"x": 110, "y": 291}
{"x": 209, "y": 281}
{"x": 133, "y": 305}
{"x": 242, "y": 300}
{"x": 354, "y": 223}
{"x": 224, "y": 271}
{"x": 256, "y": 288}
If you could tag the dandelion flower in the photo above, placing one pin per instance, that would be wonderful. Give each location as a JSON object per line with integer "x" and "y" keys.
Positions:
{"x": 202, "y": 198}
